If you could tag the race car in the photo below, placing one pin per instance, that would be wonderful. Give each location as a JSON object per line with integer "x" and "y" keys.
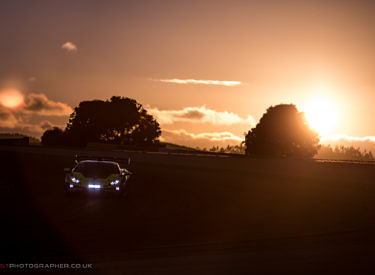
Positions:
{"x": 97, "y": 176}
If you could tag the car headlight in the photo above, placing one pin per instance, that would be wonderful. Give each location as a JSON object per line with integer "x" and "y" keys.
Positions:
{"x": 75, "y": 180}
{"x": 115, "y": 182}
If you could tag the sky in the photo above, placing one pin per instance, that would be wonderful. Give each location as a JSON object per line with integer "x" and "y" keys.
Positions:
{"x": 207, "y": 70}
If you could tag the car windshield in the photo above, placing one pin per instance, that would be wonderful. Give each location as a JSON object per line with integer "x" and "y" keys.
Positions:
{"x": 97, "y": 169}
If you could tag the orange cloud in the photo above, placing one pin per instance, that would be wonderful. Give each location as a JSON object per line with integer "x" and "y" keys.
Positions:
{"x": 7, "y": 118}
{"x": 46, "y": 125}
{"x": 27, "y": 118}
{"x": 69, "y": 47}
{"x": 200, "y": 115}
{"x": 347, "y": 138}
{"x": 201, "y": 81}
{"x": 12, "y": 122}
{"x": 207, "y": 139}
{"x": 41, "y": 105}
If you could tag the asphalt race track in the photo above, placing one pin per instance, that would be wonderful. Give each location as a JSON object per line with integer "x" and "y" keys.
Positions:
{"x": 193, "y": 215}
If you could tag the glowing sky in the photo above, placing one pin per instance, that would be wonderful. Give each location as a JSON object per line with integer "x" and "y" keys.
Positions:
{"x": 217, "y": 64}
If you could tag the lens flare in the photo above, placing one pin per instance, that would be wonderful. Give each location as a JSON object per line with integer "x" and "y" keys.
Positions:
{"x": 11, "y": 98}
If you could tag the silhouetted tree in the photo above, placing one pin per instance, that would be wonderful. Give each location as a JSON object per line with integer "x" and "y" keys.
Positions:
{"x": 230, "y": 149}
{"x": 54, "y": 137}
{"x": 344, "y": 153}
{"x": 282, "y": 132}
{"x": 120, "y": 120}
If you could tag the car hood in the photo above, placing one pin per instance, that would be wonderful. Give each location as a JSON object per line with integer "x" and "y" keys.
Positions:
{"x": 106, "y": 180}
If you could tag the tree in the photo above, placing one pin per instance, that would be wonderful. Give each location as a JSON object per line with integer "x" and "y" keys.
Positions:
{"x": 230, "y": 149}
{"x": 53, "y": 137}
{"x": 282, "y": 132}
{"x": 344, "y": 153}
{"x": 120, "y": 120}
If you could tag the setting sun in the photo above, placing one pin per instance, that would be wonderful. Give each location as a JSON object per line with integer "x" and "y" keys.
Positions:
{"x": 322, "y": 115}
{"x": 11, "y": 98}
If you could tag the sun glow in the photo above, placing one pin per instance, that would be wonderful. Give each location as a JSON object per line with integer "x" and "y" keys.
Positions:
{"x": 322, "y": 115}
{"x": 11, "y": 98}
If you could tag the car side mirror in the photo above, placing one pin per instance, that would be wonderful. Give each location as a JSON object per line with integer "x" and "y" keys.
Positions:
{"x": 124, "y": 172}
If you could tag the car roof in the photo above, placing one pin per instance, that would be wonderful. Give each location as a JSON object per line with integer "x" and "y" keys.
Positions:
{"x": 98, "y": 161}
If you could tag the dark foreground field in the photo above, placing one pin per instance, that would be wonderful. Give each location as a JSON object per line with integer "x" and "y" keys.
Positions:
{"x": 193, "y": 215}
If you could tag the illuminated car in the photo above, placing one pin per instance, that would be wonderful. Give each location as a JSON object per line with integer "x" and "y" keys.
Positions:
{"x": 97, "y": 176}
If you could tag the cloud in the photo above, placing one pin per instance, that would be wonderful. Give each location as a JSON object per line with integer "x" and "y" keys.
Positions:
{"x": 40, "y": 104}
{"x": 12, "y": 122}
{"x": 199, "y": 115}
{"x": 347, "y": 138}
{"x": 46, "y": 125}
{"x": 201, "y": 81}
{"x": 206, "y": 139}
{"x": 25, "y": 129}
{"x": 7, "y": 118}
{"x": 69, "y": 47}
{"x": 364, "y": 143}
{"x": 27, "y": 119}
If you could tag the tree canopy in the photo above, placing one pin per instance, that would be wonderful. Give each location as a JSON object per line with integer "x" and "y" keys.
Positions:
{"x": 120, "y": 120}
{"x": 282, "y": 132}
{"x": 53, "y": 137}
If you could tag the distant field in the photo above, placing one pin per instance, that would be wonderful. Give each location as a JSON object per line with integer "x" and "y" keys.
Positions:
{"x": 194, "y": 214}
